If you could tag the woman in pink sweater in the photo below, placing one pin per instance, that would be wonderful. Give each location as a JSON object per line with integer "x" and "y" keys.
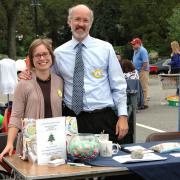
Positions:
{"x": 40, "y": 97}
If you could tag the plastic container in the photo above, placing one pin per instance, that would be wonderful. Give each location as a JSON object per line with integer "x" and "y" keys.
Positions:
{"x": 84, "y": 147}
{"x": 1, "y": 120}
{"x": 173, "y": 100}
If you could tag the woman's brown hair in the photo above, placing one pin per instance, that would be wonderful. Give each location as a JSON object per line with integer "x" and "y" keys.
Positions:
{"x": 36, "y": 43}
{"x": 127, "y": 66}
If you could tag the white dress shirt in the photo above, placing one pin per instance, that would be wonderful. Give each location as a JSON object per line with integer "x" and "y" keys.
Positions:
{"x": 104, "y": 82}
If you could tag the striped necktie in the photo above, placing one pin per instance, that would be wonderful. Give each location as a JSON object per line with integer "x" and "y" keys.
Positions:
{"x": 78, "y": 82}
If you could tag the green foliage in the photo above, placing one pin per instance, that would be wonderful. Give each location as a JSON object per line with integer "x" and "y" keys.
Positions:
{"x": 55, "y": 13}
{"x": 3, "y": 46}
{"x": 174, "y": 24}
{"x": 118, "y": 49}
{"x": 117, "y": 21}
{"x": 3, "y": 56}
{"x": 153, "y": 56}
{"x": 125, "y": 51}
{"x": 107, "y": 28}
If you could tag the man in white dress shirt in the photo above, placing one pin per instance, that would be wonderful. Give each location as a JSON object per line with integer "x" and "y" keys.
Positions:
{"x": 104, "y": 83}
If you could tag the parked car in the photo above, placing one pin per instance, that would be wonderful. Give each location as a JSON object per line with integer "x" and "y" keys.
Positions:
{"x": 160, "y": 66}
{"x": 153, "y": 69}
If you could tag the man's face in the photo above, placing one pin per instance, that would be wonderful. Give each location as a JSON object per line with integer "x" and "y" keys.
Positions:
{"x": 80, "y": 23}
{"x": 136, "y": 46}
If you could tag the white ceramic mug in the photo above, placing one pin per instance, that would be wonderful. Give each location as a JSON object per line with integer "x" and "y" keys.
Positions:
{"x": 107, "y": 148}
{"x": 102, "y": 137}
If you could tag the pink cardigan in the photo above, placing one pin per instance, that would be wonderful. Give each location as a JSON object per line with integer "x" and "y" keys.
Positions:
{"x": 29, "y": 101}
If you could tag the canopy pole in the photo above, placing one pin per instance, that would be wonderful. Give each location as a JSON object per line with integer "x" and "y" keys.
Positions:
{"x": 179, "y": 106}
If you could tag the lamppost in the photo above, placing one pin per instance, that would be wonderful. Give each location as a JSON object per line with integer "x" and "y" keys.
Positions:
{"x": 36, "y": 3}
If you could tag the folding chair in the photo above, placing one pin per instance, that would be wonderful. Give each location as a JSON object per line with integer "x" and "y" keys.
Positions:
{"x": 163, "y": 136}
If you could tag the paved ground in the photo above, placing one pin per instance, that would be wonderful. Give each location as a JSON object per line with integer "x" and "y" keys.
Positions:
{"x": 158, "y": 115}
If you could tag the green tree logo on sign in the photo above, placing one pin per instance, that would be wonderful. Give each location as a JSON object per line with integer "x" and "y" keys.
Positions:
{"x": 51, "y": 138}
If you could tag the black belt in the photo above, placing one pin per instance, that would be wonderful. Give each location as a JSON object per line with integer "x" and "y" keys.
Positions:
{"x": 98, "y": 110}
{"x": 91, "y": 112}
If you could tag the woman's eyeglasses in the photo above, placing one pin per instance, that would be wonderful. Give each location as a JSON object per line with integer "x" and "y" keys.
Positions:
{"x": 44, "y": 55}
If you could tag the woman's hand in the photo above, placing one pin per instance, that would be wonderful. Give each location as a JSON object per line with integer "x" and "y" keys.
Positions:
{"x": 7, "y": 150}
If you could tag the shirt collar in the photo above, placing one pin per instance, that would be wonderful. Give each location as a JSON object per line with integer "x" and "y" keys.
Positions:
{"x": 137, "y": 50}
{"x": 84, "y": 42}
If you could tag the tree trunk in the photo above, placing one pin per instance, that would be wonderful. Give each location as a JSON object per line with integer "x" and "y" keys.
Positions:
{"x": 11, "y": 40}
{"x": 11, "y": 8}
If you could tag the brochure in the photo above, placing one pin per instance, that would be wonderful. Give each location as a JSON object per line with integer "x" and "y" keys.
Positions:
{"x": 146, "y": 157}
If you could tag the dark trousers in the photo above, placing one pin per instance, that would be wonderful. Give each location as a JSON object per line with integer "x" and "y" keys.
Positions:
{"x": 96, "y": 121}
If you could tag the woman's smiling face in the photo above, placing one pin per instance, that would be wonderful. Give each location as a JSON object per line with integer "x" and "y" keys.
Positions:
{"x": 42, "y": 59}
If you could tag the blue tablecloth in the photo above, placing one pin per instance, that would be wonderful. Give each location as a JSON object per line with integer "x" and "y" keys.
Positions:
{"x": 168, "y": 169}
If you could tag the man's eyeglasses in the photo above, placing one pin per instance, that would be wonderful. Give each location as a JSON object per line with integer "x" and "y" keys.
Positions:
{"x": 44, "y": 55}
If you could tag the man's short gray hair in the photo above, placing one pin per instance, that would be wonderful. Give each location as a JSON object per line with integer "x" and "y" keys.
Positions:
{"x": 72, "y": 9}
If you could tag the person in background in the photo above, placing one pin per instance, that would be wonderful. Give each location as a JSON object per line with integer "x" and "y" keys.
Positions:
{"x": 175, "y": 58}
{"x": 129, "y": 70}
{"x": 141, "y": 63}
{"x": 131, "y": 74}
{"x": 100, "y": 80}
{"x": 40, "y": 97}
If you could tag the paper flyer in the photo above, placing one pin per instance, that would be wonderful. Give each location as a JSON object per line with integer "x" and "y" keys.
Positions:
{"x": 51, "y": 139}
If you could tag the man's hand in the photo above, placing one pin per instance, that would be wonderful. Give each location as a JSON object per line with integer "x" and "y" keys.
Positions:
{"x": 26, "y": 75}
{"x": 122, "y": 127}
